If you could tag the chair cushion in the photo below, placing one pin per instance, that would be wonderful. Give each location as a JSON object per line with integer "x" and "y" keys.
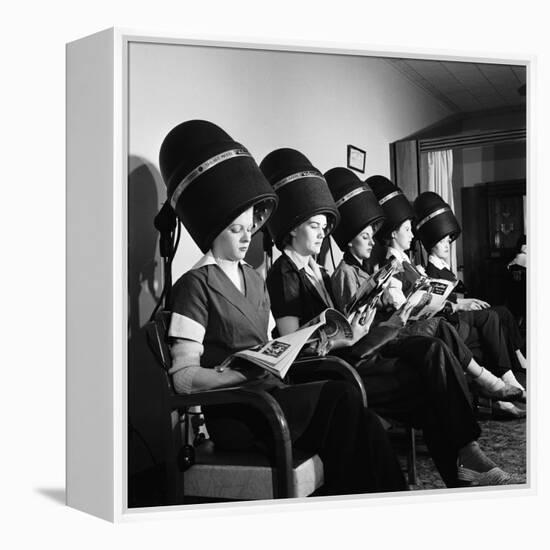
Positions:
{"x": 246, "y": 476}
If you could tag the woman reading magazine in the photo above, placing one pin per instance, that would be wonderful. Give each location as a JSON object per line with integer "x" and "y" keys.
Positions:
{"x": 437, "y": 227}
{"x": 221, "y": 306}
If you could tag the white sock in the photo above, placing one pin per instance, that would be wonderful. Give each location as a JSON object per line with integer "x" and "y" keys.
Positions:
{"x": 521, "y": 359}
{"x": 487, "y": 379}
{"x": 509, "y": 377}
{"x": 504, "y": 406}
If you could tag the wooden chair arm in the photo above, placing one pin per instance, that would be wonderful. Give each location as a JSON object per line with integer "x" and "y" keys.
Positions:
{"x": 259, "y": 399}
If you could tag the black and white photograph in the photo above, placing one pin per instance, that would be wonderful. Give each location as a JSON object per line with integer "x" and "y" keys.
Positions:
{"x": 249, "y": 214}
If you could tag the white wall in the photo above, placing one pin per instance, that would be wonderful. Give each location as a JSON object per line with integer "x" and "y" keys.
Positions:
{"x": 316, "y": 103}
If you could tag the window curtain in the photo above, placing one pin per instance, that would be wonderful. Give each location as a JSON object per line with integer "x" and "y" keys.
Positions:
{"x": 440, "y": 181}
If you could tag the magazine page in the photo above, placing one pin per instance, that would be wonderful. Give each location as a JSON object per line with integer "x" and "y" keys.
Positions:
{"x": 429, "y": 297}
{"x": 336, "y": 325}
{"x": 335, "y": 329}
{"x": 369, "y": 292}
{"x": 277, "y": 355}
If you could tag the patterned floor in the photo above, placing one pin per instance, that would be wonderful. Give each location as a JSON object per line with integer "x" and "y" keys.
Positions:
{"x": 503, "y": 441}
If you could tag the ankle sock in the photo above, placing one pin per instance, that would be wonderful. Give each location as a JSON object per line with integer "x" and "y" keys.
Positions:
{"x": 503, "y": 406}
{"x": 488, "y": 380}
{"x": 521, "y": 359}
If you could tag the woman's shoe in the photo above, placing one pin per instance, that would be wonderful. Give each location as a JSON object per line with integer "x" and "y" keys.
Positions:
{"x": 505, "y": 393}
{"x": 495, "y": 476}
{"x": 510, "y": 412}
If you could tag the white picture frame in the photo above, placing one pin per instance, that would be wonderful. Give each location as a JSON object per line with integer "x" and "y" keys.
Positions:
{"x": 97, "y": 258}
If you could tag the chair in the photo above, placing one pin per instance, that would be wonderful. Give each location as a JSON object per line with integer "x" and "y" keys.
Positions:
{"x": 237, "y": 475}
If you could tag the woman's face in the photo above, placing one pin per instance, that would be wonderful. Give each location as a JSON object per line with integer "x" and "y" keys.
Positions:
{"x": 442, "y": 248}
{"x": 403, "y": 236}
{"x": 361, "y": 245}
{"x": 308, "y": 237}
{"x": 233, "y": 242}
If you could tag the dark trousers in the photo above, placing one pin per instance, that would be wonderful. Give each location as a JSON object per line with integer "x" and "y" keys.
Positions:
{"x": 326, "y": 418}
{"x": 514, "y": 339}
{"x": 446, "y": 332}
{"x": 482, "y": 332}
{"x": 420, "y": 381}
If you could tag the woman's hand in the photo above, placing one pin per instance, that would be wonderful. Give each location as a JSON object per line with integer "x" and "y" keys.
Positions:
{"x": 361, "y": 321}
{"x": 401, "y": 316}
{"x": 471, "y": 304}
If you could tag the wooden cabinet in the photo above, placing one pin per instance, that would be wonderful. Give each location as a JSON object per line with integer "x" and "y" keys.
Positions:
{"x": 493, "y": 220}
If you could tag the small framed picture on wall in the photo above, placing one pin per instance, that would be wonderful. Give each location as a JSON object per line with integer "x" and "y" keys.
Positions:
{"x": 356, "y": 158}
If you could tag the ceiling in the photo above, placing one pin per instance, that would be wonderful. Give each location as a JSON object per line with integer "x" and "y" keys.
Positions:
{"x": 466, "y": 87}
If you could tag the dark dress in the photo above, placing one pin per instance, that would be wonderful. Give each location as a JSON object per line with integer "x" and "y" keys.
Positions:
{"x": 428, "y": 389}
{"x": 325, "y": 417}
{"x": 508, "y": 323}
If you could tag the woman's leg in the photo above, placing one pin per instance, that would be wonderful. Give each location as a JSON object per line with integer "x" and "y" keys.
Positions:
{"x": 432, "y": 395}
{"x": 486, "y": 323}
{"x": 514, "y": 339}
{"x": 490, "y": 385}
{"x": 354, "y": 447}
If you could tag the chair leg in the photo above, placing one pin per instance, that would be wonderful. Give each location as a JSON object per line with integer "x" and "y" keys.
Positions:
{"x": 482, "y": 406}
{"x": 174, "y": 476}
{"x": 411, "y": 455}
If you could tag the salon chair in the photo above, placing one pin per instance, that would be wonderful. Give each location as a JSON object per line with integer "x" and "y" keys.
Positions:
{"x": 198, "y": 471}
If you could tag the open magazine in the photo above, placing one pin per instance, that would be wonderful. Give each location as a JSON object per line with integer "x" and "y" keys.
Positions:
{"x": 428, "y": 296}
{"x": 277, "y": 356}
{"x": 369, "y": 292}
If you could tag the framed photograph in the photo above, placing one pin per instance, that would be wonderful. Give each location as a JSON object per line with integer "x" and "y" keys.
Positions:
{"x": 356, "y": 158}
{"x": 176, "y": 146}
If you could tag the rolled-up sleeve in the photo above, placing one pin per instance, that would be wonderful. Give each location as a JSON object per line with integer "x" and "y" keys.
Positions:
{"x": 344, "y": 286}
{"x": 189, "y": 309}
{"x": 187, "y": 328}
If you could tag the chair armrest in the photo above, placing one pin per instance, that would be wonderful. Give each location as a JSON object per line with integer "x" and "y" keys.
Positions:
{"x": 259, "y": 399}
{"x": 266, "y": 405}
{"x": 331, "y": 367}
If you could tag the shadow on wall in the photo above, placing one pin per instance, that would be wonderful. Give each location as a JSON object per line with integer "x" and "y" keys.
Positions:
{"x": 146, "y": 192}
